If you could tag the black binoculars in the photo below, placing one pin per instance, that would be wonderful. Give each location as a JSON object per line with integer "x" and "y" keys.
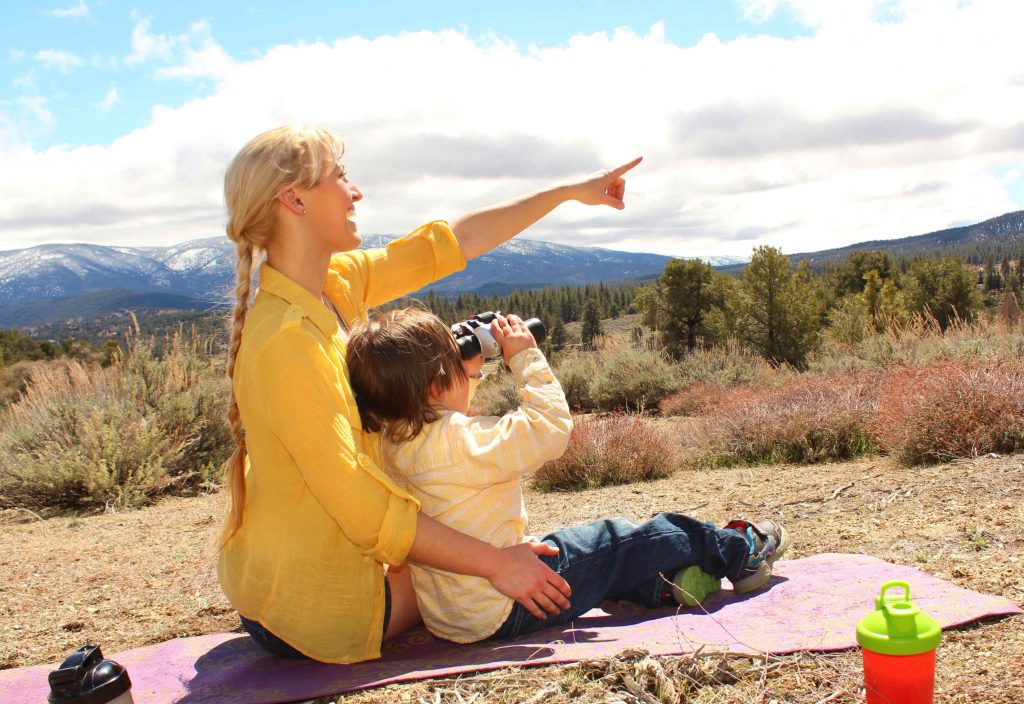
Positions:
{"x": 474, "y": 336}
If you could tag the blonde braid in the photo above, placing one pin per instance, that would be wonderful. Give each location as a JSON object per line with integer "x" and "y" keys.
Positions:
{"x": 234, "y": 474}
{"x": 277, "y": 159}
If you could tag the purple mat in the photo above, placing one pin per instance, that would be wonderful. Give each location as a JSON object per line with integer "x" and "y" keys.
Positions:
{"x": 812, "y": 604}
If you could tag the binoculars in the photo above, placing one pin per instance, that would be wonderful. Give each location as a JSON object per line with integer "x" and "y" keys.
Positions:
{"x": 474, "y": 336}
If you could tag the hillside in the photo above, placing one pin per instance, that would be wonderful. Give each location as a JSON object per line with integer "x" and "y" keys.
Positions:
{"x": 996, "y": 237}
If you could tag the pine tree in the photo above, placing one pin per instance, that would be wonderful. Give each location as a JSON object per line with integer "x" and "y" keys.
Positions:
{"x": 688, "y": 296}
{"x": 780, "y": 313}
{"x": 591, "y": 323}
{"x": 558, "y": 336}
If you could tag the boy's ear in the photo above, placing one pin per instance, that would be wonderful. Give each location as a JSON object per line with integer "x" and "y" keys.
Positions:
{"x": 434, "y": 393}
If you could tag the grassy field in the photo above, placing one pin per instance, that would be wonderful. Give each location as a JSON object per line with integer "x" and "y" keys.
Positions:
{"x": 903, "y": 447}
{"x": 126, "y": 579}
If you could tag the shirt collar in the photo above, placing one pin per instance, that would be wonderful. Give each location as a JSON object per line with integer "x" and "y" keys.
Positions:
{"x": 275, "y": 283}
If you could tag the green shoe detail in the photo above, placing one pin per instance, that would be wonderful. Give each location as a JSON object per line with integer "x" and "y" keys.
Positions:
{"x": 691, "y": 586}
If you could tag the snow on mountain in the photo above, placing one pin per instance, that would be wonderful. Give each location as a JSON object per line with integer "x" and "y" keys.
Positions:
{"x": 205, "y": 268}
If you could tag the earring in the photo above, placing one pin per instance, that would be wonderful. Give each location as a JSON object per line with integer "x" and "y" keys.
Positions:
{"x": 302, "y": 212}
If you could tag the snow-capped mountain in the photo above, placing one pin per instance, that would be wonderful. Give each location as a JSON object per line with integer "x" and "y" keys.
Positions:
{"x": 205, "y": 269}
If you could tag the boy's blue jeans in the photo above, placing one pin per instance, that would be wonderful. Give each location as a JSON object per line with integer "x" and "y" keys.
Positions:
{"x": 617, "y": 559}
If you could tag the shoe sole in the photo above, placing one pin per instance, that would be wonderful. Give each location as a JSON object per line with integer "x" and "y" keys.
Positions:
{"x": 763, "y": 574}
{"x": 692, "y": 586}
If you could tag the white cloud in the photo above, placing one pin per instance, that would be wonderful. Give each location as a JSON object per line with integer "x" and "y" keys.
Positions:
{"x": 78, "y": 10}
{"x": 63, "y": 61}
{"x": 26, "y": 80}
{"x": 17, "y": 54}
{"x": 869, "y": 127}
{"x": 111, "y": 98}
{"x": 147, "y": 46}
{"x": 20, "y": 117}
{"x": 200, "y": 56}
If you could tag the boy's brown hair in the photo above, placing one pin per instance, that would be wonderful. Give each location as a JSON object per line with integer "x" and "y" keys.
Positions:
{"x": 393, "y": 359}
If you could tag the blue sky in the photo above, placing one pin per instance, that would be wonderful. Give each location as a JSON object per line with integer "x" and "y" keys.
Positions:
{"x": 74, "y": 51}
{"x": 802, "y": 124}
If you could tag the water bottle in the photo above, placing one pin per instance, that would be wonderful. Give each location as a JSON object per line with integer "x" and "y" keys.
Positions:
{"x": 86, "y": 678}
{"x": 898, "y": 642}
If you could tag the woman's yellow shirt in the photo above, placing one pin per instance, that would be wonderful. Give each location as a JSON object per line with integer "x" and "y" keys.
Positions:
{"x": 320, "y": 515}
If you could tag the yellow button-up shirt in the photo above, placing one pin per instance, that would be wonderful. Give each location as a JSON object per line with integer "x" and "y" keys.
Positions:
{"x": 320, "y": 516}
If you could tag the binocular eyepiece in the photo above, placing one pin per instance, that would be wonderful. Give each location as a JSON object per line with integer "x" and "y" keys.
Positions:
{"x": 474, "y": 336}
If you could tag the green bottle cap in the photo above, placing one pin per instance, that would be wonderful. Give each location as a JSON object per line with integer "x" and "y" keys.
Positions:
{"x": 897, "y": 626}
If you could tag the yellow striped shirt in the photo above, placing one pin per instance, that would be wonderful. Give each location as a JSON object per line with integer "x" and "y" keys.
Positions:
{"x": 466, "y": 473}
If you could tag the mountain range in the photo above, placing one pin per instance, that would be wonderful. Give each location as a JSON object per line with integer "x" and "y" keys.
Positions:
{"x": 62, "y": 281}
{"x": 56, "y": 281}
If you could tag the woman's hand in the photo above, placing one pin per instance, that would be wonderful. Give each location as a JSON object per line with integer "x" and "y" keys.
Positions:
{"x": 482, "y": 230}
{"x": 518, "y": 574}
{"x": 604, "y": 188}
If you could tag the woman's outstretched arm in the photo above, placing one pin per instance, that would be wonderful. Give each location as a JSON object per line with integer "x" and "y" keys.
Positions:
{"x": 480, "y": 231}
{"x": 515, "y": 572}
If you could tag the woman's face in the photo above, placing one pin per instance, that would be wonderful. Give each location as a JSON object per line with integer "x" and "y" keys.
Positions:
{"x": 331, "y": 208}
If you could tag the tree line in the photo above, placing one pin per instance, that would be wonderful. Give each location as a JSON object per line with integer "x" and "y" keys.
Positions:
{"x": 783, "y": 311}
{"x": 16, "y": 347}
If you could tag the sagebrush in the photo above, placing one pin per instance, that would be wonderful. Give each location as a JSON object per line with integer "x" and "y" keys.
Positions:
{"x": 615, "y": 449}
{"x": 84, "y": 436}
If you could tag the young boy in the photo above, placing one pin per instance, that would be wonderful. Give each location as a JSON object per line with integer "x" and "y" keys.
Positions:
{"x": 412, "y": 386}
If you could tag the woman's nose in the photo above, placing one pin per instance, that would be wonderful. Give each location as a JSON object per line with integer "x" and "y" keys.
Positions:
{"x": 357, "y": 195}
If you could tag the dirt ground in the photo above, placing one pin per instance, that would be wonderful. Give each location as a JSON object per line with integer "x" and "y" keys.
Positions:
{"x": 134, "y": 578}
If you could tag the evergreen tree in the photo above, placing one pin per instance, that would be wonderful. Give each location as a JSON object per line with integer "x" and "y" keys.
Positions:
{"x": 558, "y": 336}
{"x": 848, "y": 277}
{"x": 591, "y": 323}
{"x": 780, "y": 312}
{"x": 688, "y": 296}
{"x": 943, "y": 288}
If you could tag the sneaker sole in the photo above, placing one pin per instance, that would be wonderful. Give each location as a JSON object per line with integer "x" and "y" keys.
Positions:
{"x": 763, "y": 575}
{"x": 692, "y": 586}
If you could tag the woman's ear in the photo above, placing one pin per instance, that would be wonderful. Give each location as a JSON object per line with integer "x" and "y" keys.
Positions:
{"x": 291, "y": 200}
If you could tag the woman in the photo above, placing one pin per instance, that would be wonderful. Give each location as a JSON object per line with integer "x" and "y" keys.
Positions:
{"x": 313, "y": 519}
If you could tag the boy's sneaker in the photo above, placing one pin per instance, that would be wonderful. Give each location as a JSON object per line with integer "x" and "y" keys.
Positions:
{"x": 692, "y": 585}
{"x": 768, "y": 542}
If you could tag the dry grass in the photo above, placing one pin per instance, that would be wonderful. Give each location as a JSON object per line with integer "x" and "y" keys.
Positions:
{"x": 961, "y": 521}
{"x": 806, "y": 420}
{"x": 949, "y": 409}
{"x": 608, "y": 450}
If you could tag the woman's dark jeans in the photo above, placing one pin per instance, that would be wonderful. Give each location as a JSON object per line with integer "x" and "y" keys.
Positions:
{"x": 275, "y": 646}
{"x": 620, "y": 560}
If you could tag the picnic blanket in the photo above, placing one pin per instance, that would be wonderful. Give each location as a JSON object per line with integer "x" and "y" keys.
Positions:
{"x": 812, "y": 603}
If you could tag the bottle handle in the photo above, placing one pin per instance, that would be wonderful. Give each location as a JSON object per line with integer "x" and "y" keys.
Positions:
{"x": 882, "y": 599}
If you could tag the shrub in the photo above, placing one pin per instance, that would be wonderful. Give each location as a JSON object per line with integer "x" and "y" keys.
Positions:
{"x": 617, "y": 449}
{"x": 14, "y": 380}
{"x": 693, "y": 400}
{"x": 919, "y": 341}
{"x": 810, "y": 419}
{"x": 632, "y": 380}
{"x": 84, "y": 436}
{"x": 576, "y": 371}
{"x": 949, "y": 409}
{"x": 730, "y": 365}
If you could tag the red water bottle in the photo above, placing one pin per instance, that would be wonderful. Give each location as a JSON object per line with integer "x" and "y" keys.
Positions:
{"x": 898, "y": 642}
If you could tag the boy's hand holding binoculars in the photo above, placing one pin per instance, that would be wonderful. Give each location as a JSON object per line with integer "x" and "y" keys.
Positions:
{"x": 512, "y": 335}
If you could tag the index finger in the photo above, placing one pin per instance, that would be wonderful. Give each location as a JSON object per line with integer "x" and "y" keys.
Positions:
{"x": 625, "y": 167}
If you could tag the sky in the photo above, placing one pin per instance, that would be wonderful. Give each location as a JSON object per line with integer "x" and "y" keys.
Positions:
{"x": 798, "y": 124}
